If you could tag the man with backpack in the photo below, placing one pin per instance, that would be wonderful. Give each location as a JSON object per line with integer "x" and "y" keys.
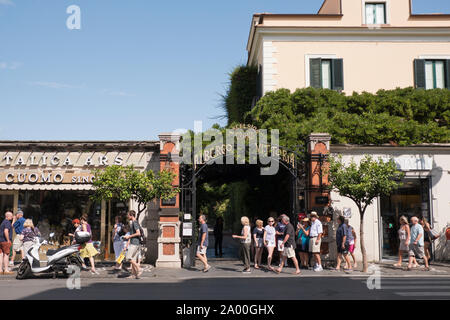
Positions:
{"x": 133, "y": 245}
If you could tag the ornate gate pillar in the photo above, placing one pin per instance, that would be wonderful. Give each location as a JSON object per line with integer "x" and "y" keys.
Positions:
{"x": 169, "y": 222}
{"x": 318, "y": 197}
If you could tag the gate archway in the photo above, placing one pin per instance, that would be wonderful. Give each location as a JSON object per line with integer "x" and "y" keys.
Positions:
{"x": 190, "y": 175}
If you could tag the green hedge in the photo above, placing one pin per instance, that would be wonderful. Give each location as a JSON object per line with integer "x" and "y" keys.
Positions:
{"x": 401, "y": 116}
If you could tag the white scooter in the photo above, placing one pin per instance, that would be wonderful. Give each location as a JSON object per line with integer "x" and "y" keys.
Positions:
{"x": 57, "y": 260}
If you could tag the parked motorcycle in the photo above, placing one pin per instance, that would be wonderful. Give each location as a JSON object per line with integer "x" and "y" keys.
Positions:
{"x": 59, "y": 260}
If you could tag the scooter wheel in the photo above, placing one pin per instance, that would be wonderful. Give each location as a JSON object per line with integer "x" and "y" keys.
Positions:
{"x": 24, "y": 270}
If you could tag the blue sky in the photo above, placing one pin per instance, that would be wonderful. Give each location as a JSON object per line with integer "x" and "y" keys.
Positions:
{"x": 135, "y": 69}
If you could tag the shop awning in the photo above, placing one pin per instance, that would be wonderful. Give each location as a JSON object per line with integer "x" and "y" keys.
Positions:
{"x": 65, "y": 186}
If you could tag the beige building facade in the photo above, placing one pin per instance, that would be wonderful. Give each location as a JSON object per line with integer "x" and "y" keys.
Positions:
{"x": 351, "y": 45}
{"x": 425, "y": 192}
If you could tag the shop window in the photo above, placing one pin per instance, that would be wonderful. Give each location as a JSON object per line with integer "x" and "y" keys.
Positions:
{"x": 53, "y": 211}
{"x": 411, "y": 199}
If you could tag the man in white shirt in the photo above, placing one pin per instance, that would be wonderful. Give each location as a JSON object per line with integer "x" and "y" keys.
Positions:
{"x": 315, "y": 240}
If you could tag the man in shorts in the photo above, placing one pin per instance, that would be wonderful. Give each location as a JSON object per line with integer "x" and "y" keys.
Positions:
{"x": 288, "y": 245}
{"x": 133, "y": 245}
{"x": 203, "y": 243}
{"x": 315, "y": 235}
{"x": 18, "y": 222}
{"x": 5, "y": 243}
{"x": 342, "y": 244}
{"x": 416, "y": 245}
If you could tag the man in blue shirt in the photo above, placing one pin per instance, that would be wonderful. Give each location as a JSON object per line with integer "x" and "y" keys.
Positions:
{"x": 18, "y": 222}
{"x": 5, "y": 243}
{"x": 342, "y": 244}
{"x": 203, "y": 243}
{"x": 416, "y": 246}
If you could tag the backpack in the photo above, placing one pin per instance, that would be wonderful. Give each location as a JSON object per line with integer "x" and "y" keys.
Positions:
{"x": 142, "y": 238}
{"x": 122, "y": 232}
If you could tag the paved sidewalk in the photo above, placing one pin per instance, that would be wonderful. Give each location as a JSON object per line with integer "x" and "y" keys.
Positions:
{"x": 227, "y": 268}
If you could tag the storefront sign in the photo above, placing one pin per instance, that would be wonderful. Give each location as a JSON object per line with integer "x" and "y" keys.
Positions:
{"x": 413, "y": 162}
{"x": 46, "y": 177}
{"x": 58, "y": 160}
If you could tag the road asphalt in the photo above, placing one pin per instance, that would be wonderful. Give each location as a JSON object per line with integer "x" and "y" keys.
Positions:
{"x": 225, "y": 281}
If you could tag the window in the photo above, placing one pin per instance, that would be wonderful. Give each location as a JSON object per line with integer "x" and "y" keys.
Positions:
{"x": 375, "y": 13}
{"x": 326, "y": 73}
{"x": 432, "y": 74}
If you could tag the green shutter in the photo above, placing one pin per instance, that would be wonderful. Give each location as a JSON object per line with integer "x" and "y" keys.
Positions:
{"x": 419, "y": 73}
{"x": 315, "y": 73}
{"x": 447, "y": 74}
{"x": 337, "y": 74}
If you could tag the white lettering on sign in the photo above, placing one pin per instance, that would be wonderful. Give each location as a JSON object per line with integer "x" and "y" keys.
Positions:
{"x": 412, "y": 162}
{"x": 118, "y": 161}
{"x": 8, "y": 160}
{"x": 20, "y": 161}
{"x": 103, "y": 160}
{"x": 67, "y": 162}
{"x": 59, "y": 160}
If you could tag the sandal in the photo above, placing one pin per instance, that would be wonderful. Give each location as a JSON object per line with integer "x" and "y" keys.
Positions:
{"x": 297, "y": 272}
{"x": 397, "y": 265}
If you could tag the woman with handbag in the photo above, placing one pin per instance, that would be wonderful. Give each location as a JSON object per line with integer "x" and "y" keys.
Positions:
{"x": 28, "y": 234}
{"x": 404, "y": 235}
{"x": 258, "y": 237}
{"x": 429, "y": 236}
{"x": 118, "y": 245}
{"x": 87, "y": 249}
{"x": 303, "y": 242}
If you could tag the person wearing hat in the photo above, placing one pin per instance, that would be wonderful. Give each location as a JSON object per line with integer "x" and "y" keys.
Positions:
{"x": 72, "y": 228}
{"x": 303, "y": 229}
{"x": 18, "y": 222}
{"x": 315, "y": 235}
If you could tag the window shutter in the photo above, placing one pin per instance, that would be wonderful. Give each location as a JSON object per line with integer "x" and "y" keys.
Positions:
{"x": 419, "y": 73}
{"x": 447, "y": 74}
{"x": 337, "y": 74}
{"x": 315, "y": 73}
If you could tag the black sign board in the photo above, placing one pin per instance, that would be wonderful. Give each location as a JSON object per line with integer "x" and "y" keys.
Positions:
{"x": 169, "y": 202}
{"x": 322, "y": 200}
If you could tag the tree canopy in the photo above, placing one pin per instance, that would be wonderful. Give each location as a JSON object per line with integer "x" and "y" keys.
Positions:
{"x": 125, "y": 183}
{"x": 400, "y": 117}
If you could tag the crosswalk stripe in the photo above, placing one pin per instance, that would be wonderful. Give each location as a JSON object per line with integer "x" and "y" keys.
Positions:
{"x": 421, "y": 294}
{"x": 414, "y": 287}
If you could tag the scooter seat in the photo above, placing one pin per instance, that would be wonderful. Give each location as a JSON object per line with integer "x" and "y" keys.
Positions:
{"x": 51, "y": 252}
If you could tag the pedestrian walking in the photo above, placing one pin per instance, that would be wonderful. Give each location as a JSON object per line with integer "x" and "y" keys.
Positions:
{"x": 29, "y": 233}
{"x": 269, "y": 241}
{"x": 342, "y": 245}
{"x": 258, "y": 238}
{"x": 202, "y": 246}
{"x": 288, "y": 245}
{"x": 279, "y": 231}
{"x": 118, "y": 244}
{"x": 246, "y": 241}
{"x": 352, "y": 242}
{"x": 427, "y": 237}
{"x": 416, "y": 246}
{"x": 133, "y": 245}
{"x": 303, "y": 229}
{"x": 87, "y": 249}
{"x": 18, "y": 222}
{"x": 218, "y": 236}
{"x": 404, "y": 236}
{"x": 315, "y": 240}
{"x": 6, "y": 230}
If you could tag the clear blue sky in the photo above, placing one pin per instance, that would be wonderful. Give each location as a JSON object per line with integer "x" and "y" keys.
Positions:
{"x": 132, "y": 66}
